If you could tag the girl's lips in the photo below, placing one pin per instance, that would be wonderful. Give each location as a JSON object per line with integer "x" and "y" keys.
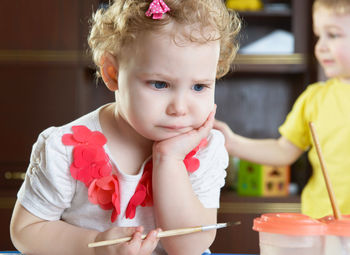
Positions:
{"x": 176, "y": 129}
{"x": 173, "y": 127}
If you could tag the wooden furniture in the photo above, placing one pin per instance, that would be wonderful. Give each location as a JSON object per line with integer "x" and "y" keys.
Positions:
{"x": 47, "y": 80}
{"x": 242, "y": 238}
{"x": 256, "y": 96}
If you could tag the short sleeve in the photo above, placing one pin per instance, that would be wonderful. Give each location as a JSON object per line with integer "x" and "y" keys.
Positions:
{"x": 48, "y": 187}
{"x": 208, "y": 180}
{"x": 296, "y": 127}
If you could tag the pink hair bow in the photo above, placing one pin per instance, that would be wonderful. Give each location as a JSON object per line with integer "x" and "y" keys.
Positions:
{"x": 157, "y": 8}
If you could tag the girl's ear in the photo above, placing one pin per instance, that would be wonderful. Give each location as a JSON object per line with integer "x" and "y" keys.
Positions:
{"x": 109, "y": 71}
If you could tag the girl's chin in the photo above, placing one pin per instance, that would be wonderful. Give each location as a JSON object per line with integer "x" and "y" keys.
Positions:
{"x": 167, "y": 135}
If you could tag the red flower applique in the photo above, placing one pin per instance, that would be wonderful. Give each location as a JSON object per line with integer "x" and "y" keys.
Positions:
{"x": 192, "y": 163}
{"x": 143, "y": 192}
{"x": 90, "y": 162}
{"x": 91, "y": 166}
{"x": 83, "y": 135}
{"x": 89, "y": 158}
{"x": 105, "y": 193}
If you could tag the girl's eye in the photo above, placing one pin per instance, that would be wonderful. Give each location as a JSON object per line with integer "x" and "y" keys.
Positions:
{"x": 159, "y": 84}
{"x": 198, "y": 87}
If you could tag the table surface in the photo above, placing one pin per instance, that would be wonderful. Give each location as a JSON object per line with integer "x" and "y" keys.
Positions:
{"x": 18, "y": 253}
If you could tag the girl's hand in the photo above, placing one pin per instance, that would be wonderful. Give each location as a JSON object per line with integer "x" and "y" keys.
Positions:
{"x": 136, "y": 246}
{"x": 179, "y": 146}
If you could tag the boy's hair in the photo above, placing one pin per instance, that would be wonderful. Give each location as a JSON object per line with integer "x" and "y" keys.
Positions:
{"x": 118, "y": 25}
{"x": 336, "y": 6}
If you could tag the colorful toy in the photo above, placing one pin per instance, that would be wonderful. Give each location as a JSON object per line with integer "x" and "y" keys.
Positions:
{"x": 262, "y": 180}
{"x": 244, "y": 5}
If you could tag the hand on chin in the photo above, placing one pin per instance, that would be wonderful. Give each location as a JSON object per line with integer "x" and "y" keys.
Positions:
{"x": 178, "y": 146}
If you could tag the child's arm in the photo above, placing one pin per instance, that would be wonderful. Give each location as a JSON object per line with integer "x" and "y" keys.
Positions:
{"x": 32, "y": 235}
{"x": 264, "y": 151}
{"x": 175, "y": 203}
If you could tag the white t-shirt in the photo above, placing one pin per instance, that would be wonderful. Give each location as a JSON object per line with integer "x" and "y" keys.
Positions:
{"x": 50, "y": 192}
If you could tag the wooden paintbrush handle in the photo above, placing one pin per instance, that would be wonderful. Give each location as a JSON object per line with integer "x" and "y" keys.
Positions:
{"x": 174, "y": 232}
{"x": 336, "y": 211}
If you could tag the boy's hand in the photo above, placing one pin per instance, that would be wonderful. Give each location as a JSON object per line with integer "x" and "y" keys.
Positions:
{"x": 228, "y": 133}
{"x": 136, "y": 246}
{"x": 179, "y": 146}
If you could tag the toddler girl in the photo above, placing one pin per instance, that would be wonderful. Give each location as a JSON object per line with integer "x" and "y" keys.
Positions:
{"x": 150, "y": 159}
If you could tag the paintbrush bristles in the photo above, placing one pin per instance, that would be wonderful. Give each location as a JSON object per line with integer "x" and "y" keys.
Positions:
{"x": 229, "y": 224}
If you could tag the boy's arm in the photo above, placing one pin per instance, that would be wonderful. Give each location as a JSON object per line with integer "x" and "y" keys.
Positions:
{"x": 33, "y": 235}
{"x": 264, "y": 151}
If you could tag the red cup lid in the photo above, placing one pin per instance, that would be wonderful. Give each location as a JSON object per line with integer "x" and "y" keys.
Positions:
{"x": 288, "y": 224}
{"x": 340, "y": 227}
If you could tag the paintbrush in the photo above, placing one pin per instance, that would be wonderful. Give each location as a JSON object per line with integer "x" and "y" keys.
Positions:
{"x": 173, "y": 232}
{"x": 335, "y": 207}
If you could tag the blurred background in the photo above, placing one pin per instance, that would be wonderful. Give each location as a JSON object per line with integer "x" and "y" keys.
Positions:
{"x": 48, "y": 79}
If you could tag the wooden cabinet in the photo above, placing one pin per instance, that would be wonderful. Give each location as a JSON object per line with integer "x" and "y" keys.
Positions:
{"x": 256, "y": 96}
{"x": 46, "y": 80}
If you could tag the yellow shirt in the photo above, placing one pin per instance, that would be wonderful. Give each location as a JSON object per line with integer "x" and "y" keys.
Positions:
{"x": 327, "y": 104}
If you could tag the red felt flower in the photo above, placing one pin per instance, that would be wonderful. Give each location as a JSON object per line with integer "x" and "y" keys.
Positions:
{"x": 136, "y": 200}
{"x": 143, "y": 194}
{"x": 91, "y": 166}
{"x": 146, "y": 180}
{"x": 83, "y": 135}
{"x": 90, "y": 162}
{"x": 192, "y": 163}
{"x": 105, "y": 193}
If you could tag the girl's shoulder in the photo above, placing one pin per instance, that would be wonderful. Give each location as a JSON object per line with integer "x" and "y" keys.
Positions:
{"x": 215, "y": 143}
{"x": 210, "y": 176}
{"x": 216, "y": 139}
{"x": 214, "y": 152}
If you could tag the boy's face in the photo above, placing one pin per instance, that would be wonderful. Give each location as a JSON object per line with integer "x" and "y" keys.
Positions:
{"x": 165, "y": 88}
{"x": 332, "y": 48}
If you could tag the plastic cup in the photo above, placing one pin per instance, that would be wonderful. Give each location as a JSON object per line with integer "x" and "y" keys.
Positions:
{"x": 337, "y": 238}
{"x": 289, "y": 234}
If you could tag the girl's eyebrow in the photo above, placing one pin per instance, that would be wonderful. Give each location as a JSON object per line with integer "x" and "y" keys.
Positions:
{"x": 158, "y": 75}
{"x": 204, "y": 81}
{"x": 166, "y": 77}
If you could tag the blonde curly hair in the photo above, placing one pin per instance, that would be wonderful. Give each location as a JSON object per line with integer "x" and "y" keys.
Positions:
{"x": 119, "y": 24}
{"x": 336, "y": 6}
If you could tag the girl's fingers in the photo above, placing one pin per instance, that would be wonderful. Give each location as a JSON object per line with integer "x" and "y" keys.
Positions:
{"x": 208, "y": 124}
{"x": 150, "y": 243}
{"x": 132, "y": 246}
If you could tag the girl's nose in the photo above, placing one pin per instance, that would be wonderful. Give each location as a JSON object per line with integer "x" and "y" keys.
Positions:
{"x": 177, "y": 106}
